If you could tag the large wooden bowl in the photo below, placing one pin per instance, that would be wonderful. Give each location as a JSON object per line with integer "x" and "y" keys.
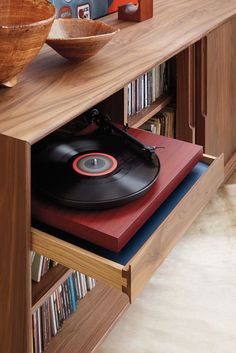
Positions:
{"x": 24, "y": 27}
{"x": 79, "y": 39}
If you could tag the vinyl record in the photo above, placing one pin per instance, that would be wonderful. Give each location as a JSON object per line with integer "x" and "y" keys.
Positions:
{"x": 91, "y": 172}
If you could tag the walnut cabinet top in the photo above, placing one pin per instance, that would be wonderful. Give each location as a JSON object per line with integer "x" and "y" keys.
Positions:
{"x": 51, "y": 91}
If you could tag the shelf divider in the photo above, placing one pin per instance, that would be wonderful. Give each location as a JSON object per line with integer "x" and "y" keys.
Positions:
{"x": 145, "y": 114}
{"x": 48, "y": 284}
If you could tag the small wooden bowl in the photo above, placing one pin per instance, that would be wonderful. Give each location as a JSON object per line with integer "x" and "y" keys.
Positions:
{"x": 79, "y": 39}
{"x": 24, "y": 27}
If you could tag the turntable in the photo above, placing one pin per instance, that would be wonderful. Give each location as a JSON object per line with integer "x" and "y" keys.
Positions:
{"x": 102, "y": 186}
{"x": 103, "y": 169}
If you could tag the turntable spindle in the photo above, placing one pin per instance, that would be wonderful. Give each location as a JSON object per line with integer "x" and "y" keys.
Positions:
{"x": 95, "y": 162}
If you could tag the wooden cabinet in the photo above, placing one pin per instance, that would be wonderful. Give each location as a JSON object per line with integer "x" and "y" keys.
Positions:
{"x": 51, "y": 93}
{"x": 185, "y": 94}
{"x": 206, "y": 91}
{"x": 216, "y": 92}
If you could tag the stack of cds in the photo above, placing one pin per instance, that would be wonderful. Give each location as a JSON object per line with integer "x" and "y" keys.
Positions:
{"x": 163, "y": 123}
{"x": 49, "y": 318}
{"x": 147, "y": 88}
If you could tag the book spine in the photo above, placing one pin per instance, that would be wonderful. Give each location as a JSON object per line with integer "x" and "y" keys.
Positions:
{"x": 79, "y": 285}
{"x": 149, "y": 88}
{"x": 37, "y": 267}
{"x": 39, "y": 332}
{"x": 139, "y": 94}
{"x": 133, "y": 111}
{"x": 72, "y": 291}
{"x": 53, "y": 316}
{"x": 35, "y": 334}
{"x": 162, "y": 78}
{"x": 142, "y": 93}
{"x": 153, "y": 84}
{"x": 157, "y": 84}
{"x": 49, "y": 318}
{"x": 75, "y": 286}
{"x": 63, "y": 303}
{"x": 145, "y": 90}
{"x": 129, "y": 99}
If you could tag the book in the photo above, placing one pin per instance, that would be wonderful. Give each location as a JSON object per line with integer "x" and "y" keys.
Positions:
{"x": 154, "y": 88}
{"x": 145, "y": 90}
{"x": 133, "y": 97}
{"x": 72, "y": 294}
{"x": 149, "y": 88}
{"x": 53, "y": 316}
{"x": 32, "y": 256}
{"x": 36, "y": 268}
{"x": 157, "y": 82}
{"x": 163, "y": 86}
{"x": 129, "y": 99}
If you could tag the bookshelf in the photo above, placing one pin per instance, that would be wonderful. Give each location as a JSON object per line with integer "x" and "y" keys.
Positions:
{"x": 49, "y": 94}
{"x": 49, "y": 282}
{"x": 96, "y": 315}
{"x": 147, "y": 113}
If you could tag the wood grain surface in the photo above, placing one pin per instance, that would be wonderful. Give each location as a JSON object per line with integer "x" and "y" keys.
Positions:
{"x": 96, "y": 315}
{"x": 163, "y": 240}
{"x": 230, "y": 167}
{"x": 15, "y": 278}
{"x": 217, "y": 120}
{"x": 78, "y": 259}
{"x": 185, "y": 95}
{"x": 51, "y": 91}
{"x": 48, "y": 284}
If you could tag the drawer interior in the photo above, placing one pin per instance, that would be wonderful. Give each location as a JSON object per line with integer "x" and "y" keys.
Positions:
{"x": 129, "y": 269}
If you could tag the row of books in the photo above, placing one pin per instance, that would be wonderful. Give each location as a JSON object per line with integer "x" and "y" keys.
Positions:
{"x": 147, "y": 88}
{"x": 48, "y": 319}
{"x": 163, "y": 123}
{"x": 40, "y": 266}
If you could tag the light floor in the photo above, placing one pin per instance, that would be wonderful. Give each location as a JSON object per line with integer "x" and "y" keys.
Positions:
{"x": 189, "y": 306}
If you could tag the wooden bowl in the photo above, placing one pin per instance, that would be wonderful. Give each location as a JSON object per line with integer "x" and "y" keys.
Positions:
{"x": 79, "y": 39}
{"x": 24, "y": 27}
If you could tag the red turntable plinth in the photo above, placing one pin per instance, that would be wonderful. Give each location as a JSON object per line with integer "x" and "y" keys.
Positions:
{"x": 113, "y": 228}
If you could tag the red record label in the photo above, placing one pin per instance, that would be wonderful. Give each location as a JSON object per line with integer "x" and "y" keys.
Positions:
{"x": 95, "y": 164}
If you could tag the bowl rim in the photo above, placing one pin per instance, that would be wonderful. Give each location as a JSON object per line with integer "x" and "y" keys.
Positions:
{"x": 114, "y": 30}
{"x": 33, "y": 24}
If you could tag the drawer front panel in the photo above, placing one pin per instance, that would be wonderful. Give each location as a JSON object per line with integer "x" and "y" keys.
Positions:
{"x": 78, "y": 259}
{"x": 163, "y": 240}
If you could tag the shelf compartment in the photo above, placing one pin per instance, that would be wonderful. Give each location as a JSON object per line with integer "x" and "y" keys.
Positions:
{"x": 48, "y": 284}
{"x": 95, "y": 316}
{"x": 138, "y": 119}
{"x": 134, "y": 265}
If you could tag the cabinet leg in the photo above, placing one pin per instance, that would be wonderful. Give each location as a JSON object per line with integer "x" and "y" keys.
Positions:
{"x": 15, "y": 291}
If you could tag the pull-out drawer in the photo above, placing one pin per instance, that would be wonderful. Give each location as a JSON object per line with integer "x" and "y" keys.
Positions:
{"x": 134, "y": 265}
